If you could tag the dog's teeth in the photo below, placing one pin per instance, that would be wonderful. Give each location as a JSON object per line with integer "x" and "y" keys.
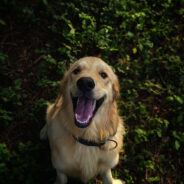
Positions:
{"x": 75, "y": 115}
{"x": 82, "y": 122}
{"x": 94, "y": 105}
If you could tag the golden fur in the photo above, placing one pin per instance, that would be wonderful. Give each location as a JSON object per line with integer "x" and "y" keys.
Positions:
{"x": 69, "y": 157}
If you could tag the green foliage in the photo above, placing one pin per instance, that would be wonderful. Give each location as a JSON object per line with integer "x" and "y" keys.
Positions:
{"x": 141, "y": 40}
{"x": 22, "y": 165}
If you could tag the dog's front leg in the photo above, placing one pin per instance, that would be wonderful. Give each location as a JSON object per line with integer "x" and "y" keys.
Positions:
{"x": 108, "y": 179}
{"x": 61, "y": 178}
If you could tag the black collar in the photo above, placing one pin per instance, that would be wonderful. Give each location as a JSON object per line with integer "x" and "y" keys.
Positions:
{"x": 88, "y": 143}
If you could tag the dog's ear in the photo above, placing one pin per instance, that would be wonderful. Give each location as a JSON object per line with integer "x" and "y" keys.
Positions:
{"x": 62, "y": 85}
{"x": 62, "y": 89}
{"x": 116, "y": 89}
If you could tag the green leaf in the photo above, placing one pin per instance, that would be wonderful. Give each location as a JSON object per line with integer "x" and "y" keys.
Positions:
{"x": 2, "y": 22}
{"x": 180, "y": 117}
{"x": 45, "y": 2}
{"x": 178, "y": 99}
{"x": 177, "y": 145}
{"x": 130, "y": 34}
{"x": 153, "y": 179}
{"x": 134, "y": 50}
{"x": 140, "y": 47}
{"x": 159, "y": 133}
{"x": 142, "y": 109}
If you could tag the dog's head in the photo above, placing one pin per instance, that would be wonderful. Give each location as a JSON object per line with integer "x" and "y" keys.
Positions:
{"x": 90, "y": 85}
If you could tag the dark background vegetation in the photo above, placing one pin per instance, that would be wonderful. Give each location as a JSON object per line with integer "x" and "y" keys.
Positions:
{"x": 144, "y": 43}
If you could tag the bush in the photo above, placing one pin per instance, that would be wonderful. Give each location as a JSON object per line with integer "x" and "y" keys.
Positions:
{"x": 141, "y": 40}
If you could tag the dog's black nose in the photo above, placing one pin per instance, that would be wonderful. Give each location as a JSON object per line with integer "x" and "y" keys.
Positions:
{"x": 85, "y": 84}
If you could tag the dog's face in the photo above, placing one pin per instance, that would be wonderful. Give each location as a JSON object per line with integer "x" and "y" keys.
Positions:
{"x": 91, "y": 85}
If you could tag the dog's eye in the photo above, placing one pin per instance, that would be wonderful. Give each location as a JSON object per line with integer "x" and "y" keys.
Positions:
{"x": 103, "y": 75}
{"x": 76, "y": 71}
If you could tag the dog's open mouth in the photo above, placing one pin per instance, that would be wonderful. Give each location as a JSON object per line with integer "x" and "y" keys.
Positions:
{"x": 84, "y": 109}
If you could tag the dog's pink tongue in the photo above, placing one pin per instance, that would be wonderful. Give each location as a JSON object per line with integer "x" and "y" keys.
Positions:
{"x": 84, "y": 109}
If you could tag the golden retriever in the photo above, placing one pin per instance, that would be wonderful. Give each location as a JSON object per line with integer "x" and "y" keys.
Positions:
{"x": 84, "y": 129}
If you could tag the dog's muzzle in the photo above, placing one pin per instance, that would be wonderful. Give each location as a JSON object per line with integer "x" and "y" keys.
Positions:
{"x": 85, "y": 106}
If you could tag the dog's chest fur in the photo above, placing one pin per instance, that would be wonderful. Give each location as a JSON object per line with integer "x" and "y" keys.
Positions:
{"x": 78, "y": 160}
